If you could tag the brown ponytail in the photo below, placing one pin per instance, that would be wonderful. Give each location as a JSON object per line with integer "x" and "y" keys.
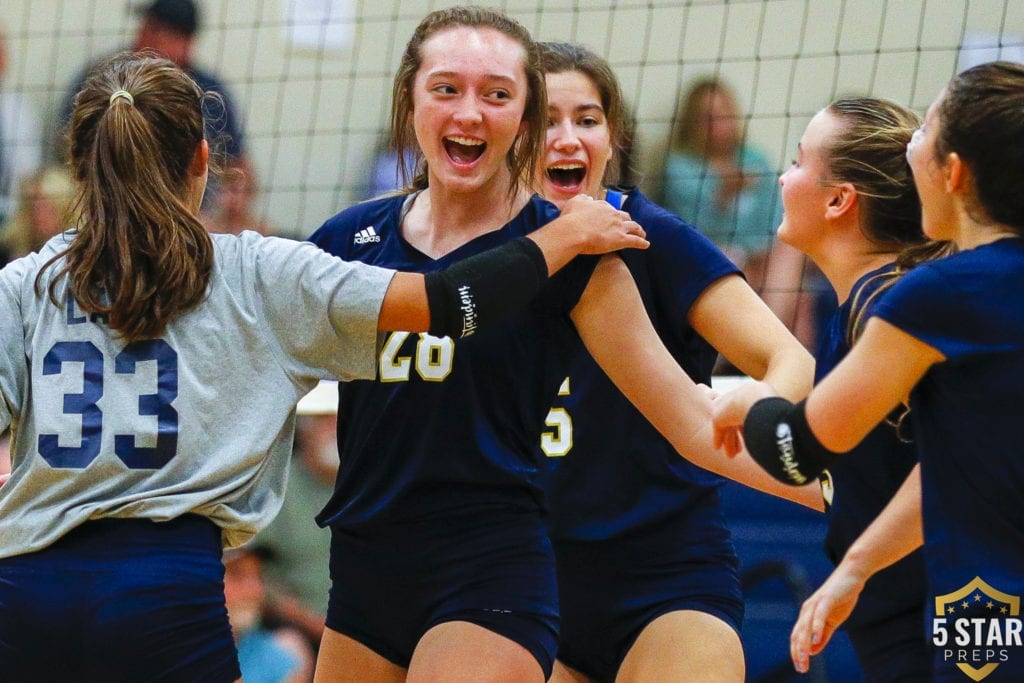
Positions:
{"x": 140, "y": 256}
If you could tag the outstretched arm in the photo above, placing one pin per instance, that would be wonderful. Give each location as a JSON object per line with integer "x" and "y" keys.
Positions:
{"x": 895, "y": 533}
{"x": 615, "y": 328}
{"x": 488, "y": 286}
{"x": 735, "y": 320}
{"x": 795, "y": 442}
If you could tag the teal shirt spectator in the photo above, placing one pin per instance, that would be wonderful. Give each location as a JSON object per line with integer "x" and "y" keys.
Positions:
{"x": 263, "y": 660}
{"x": 746, "y": 223}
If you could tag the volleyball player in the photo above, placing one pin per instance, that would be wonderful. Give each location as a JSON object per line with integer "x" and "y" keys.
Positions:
{"x": 150, "y": 373}
{"x": 441, "y": 566}
{"x": 851, "y": 206}
{"x": 647, "y": 574}
{"x": 950, "y": 334}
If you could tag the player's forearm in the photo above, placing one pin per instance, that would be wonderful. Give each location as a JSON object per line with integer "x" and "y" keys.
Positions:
{"x": 693, "y": 439}
{"x": 559, "y": 242}
{"x": 791, "y": 371}
{"x": 635, "y": 359}
{"x": 467, "y": 295}
{"x": 742, "y": 469}
{"x": 896, "y": 532}
{"x": 613, "y": 324}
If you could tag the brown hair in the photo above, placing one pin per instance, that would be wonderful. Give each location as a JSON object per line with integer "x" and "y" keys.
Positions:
{"x": 523, "y": 156}
{"x": 869, "y": 151}
{"x": 982, "y": 120}
{"x": 692, "y": 119}
{"x": 558, "y": 58}
{"x": 140, "y": 256}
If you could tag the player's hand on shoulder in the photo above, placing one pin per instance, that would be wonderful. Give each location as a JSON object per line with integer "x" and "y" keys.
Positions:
{"x": 601, "y": 226}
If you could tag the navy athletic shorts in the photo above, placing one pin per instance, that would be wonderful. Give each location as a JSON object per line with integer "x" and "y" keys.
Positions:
{"x": 119, "y": 600}
{"x": 610, "y": 591}
{"x": 495, "y": 569}
{"x": 893, "y": 650}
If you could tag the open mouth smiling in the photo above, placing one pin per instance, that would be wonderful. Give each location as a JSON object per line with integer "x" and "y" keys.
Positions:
{"x": 567, "y": 175}
{"x": 464, "y": 150}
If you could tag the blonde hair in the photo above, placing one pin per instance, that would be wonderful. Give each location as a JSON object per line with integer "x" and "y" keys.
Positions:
{"x": 869, "y": 151}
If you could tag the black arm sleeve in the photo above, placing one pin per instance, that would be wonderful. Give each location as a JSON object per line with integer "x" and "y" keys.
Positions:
{"x": 484, "y": 288}
{"x": 780, "y": 440}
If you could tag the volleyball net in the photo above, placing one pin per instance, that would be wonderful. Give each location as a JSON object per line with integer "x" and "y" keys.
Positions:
{"x": 311, "y": 79}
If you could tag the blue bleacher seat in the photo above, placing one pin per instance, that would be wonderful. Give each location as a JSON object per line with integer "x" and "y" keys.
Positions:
{"x": 782, "y": 561}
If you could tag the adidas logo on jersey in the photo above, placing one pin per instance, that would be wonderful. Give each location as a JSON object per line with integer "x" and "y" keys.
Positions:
{"x": 366, "y": 235}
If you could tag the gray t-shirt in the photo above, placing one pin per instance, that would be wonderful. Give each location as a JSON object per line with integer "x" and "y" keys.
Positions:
{"x": 199, "y": 421}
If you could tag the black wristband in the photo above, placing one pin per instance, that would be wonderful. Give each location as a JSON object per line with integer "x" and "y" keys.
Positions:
{"x": 484, "y": 288}
{"x": 780, "y": 440}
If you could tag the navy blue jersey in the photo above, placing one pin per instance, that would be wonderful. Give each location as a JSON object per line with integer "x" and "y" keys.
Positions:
{"x": 611, "y": 472}
{"x": 857, "y": 488}
{"x": 449, "y": 426}
{"x": 968, "y": 428}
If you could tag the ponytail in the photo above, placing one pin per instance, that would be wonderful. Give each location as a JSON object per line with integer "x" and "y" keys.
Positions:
{"x": 140, "y": 256}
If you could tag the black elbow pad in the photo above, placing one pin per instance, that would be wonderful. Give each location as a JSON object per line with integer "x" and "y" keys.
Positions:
{"x": 780, "y": 440}
{"x": 484, "y": 288}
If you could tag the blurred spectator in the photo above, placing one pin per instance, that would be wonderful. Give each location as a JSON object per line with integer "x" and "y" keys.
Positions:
{"x": 233, "y": 210}
{"x": 266, "y": 655}
{"x": 297, "y": 574}
{"x": 169, "y": 27}
{"x": 728, "y": 190}
{"x": 20, "y": 145}
{"x": 44, "y": 200}
{"x": 717, "y": 182}
{"x": 385, "y": 172}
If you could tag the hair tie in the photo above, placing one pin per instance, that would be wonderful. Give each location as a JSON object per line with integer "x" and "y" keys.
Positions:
{"x": 119, "y": 94}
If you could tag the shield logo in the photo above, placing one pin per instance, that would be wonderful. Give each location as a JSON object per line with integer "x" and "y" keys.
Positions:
{"x": 974, "y": 600}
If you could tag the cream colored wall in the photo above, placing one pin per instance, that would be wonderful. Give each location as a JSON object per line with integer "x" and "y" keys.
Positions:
{"x": 312, "y": 116}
